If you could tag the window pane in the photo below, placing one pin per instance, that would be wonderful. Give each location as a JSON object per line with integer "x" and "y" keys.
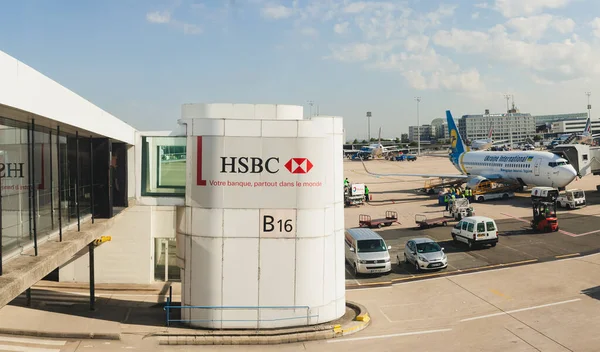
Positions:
{"x": 163, "y": 166}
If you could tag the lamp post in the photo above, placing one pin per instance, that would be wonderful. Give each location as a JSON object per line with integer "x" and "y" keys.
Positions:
{"x": 589, "y": 107}
{"x": 369, "y": 127}
{"x": 310, "y": 103}
{"x": 418, "y": 99}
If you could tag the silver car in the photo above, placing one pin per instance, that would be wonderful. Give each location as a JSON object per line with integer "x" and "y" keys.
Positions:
{"x": 424, "y": 254}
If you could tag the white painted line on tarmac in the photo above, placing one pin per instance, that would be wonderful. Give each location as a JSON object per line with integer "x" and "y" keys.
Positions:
{"x": 32, "y": 341}
{"x": 26, "y": 349}
{"x": 369, "y": 288}
{"x": 521, "y": 310}
{"x": 388, "y": 336}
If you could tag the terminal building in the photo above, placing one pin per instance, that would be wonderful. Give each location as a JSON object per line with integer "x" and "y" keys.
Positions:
{"x": 513, "y": 126}
{"x": 240, "y": 202}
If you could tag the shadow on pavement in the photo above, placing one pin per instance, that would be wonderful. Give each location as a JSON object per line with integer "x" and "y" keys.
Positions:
{"x": 593, "y": 292}
{"x": 147, "y": 313}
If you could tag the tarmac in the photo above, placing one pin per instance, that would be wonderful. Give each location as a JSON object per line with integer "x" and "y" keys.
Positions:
{"x": 579, "y": 232}
{"x": 138, "y": 310}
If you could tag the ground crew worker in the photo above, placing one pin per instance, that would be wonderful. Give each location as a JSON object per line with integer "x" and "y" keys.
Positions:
{"x": 453, "y": 197}
{"x": 346, "y": 182}
{"x": 366, "y": 193}
{"x": 446, "y": 200}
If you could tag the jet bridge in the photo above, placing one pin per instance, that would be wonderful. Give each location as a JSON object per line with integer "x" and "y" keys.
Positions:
{"x": 584, "y": 158}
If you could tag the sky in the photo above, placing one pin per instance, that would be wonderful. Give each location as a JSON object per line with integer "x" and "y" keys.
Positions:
{"x": 141, "y": 60}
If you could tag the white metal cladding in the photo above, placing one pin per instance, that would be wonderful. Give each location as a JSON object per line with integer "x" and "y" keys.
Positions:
{"x": 23, "y": 88}
{"x": 277, "y": 247}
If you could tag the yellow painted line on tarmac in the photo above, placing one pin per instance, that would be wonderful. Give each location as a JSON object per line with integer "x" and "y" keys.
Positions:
{"x": 521, "y": 262}
{"x": 566, "y": 255}
{"x": 498, "y": 293}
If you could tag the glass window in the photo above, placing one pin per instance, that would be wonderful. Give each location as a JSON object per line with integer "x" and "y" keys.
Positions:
{"x": 366, "y": 246}
{"x": 165, "y": 260}
{"x": 481, "y": 227}
{"x": 464, "y": 226}
{"x": 470, "y": 227}
{"x": 490, "y": 226}
{"x": 163, "y": 166}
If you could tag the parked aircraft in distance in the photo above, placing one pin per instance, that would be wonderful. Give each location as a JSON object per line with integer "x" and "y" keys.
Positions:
{"x": 485, "y": 144}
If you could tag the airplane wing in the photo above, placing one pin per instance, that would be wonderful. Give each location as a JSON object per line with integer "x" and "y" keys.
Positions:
{"x": 501, "y": 142}
{"x": 414, "y": 175}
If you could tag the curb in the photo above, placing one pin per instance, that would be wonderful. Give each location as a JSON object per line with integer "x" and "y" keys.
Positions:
{"x": 360, "y": 322}
{"x": 63, "y": 334}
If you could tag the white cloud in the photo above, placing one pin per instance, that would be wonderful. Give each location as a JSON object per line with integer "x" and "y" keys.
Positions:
{"x": 158, "y": 17}
{"x": 276, "y": 12}
{"x": 482, "y": 5}
{"x": 554, "y": 61}
{"x": 595, "y": 23}
{"x": 535, "y": 27}
{"x": 416, "y": 42}
{"x": 532, "y": 27}
{"x": 563, "y": 25}
{"x": 309, "y": 31}
{"x": 341, "y": 28}
{"x": 164, "y": 18}
{"x": 475, "y": 15}
{"x": 513, "y": 8}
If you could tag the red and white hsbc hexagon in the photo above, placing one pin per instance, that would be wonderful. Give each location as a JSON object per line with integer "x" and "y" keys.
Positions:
{"x": 258, "y": 172}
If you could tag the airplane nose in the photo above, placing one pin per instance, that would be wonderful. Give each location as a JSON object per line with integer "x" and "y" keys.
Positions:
{"x": 567, "y": 174}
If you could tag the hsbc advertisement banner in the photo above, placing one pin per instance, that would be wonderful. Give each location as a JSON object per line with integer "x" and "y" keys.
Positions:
{"x": 260, "y": 172}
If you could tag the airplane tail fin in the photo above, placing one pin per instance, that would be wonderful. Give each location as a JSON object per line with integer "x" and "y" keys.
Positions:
{"x": 490, "y": 134}
{"x": 456, "y": 143}
{"x": 588, "y": 127}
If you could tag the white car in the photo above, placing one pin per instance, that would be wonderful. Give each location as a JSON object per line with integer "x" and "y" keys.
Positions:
{"x": 424, "y": 254}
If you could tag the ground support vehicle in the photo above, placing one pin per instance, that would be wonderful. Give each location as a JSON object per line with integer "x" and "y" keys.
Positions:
{"x": 354, "y": 194}
{"x": 487, "y": 190}
{"x": 490, "y": 196}
{"x": 544, "y": 216}
{"x": 366, "y": 221}
{"x": 571, "y": 199}
{"x": 476, "y": 231}
{"x": 459, "y": 208}
{"x": 423, "y": 222}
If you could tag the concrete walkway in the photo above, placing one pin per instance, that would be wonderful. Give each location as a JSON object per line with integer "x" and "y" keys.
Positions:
{"x": 62, "y": 310}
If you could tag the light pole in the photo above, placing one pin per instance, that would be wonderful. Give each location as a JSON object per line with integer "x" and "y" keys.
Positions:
{"x": 507, "y": 97}
{"x": 418, "y": 99}
{"x": 369, "y": 127}
{"x": 589, "y": 107}
{"x": 310, "y": 103}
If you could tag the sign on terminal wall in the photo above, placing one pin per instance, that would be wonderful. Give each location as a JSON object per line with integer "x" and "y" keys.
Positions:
{"x": 251, "y": 171}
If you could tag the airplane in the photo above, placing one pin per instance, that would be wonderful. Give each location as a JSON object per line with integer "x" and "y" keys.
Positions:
{"x": 485, "y": 144}
{"x": 374, "y": 149}
{"x": 586, "y": 137}
{"x": 544, "y": 169}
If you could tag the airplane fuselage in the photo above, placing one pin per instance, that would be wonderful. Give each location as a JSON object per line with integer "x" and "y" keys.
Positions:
{"x": 531, "y": 168}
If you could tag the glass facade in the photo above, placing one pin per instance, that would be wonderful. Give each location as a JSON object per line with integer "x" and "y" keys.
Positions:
{"x": 42, "y": 175}
{"x": 163, "y": 166}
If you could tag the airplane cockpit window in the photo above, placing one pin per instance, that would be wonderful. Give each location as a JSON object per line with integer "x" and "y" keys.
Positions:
{"x": 552, "y": 164}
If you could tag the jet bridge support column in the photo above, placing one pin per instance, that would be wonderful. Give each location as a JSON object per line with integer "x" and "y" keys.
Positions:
{"x": 92, "y": 279}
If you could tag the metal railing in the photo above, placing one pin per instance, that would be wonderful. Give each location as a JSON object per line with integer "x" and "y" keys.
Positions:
{"x": 168, "y": 307}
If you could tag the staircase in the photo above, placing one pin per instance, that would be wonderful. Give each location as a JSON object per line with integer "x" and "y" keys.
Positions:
{"x": 570, "y": 139}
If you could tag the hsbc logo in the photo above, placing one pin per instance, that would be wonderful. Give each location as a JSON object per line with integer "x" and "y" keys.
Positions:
{"x": 298, "y": 165}
{"x": 257, "y": 165}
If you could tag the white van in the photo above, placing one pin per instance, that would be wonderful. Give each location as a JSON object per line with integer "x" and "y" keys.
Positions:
{"x": 476, "y": 230}
{"x": 366, "y": 251}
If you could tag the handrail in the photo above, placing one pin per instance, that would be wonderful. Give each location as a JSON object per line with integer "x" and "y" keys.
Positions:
{"x": 168, "y": 307}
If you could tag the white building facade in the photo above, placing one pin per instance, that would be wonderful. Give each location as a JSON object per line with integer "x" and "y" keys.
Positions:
{"x": 515, "y": 127}
{"x": 574, "y": 126}
{"x": 427, "y": 133}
